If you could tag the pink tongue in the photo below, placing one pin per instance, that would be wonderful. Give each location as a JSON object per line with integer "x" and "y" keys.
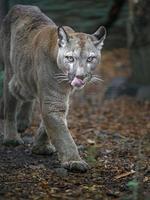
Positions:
{"x": 77, "y": 82}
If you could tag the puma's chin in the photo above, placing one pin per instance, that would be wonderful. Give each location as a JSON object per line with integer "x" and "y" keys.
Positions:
{"x": 78, "y": 87}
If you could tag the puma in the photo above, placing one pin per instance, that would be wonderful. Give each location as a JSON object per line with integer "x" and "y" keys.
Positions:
{"x": 45, "y": 62}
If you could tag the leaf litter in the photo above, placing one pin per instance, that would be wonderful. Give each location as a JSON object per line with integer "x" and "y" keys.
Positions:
{"x": 112, "y": 136}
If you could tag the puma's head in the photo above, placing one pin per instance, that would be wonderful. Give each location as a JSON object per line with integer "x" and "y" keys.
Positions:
{"x": 78, "y": 55}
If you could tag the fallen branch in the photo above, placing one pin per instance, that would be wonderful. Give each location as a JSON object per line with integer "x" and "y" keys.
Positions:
{"x": 124, "y": 174}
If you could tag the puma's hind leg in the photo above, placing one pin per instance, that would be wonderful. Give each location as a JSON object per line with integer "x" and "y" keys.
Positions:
{"x": 24, "y": 116}
{"x": 42, "y": 144}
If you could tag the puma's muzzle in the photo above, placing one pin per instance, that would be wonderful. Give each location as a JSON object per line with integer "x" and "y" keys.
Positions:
{"x": 77, "y": 82}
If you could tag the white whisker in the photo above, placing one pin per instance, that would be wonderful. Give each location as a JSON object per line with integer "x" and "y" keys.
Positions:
{"x": 93, "y": 82}
{"x": 62, "y": 80}
{"x": 96, "y": 78}
{"x": 60, "y": 76}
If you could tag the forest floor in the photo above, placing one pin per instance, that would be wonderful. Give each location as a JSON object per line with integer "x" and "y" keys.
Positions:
{"x": 111, "y": 135}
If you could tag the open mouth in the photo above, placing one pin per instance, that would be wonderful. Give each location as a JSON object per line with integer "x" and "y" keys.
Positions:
{"x": 78, "y": 81}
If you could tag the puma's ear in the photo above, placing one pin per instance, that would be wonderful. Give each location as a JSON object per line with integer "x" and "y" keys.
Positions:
{"x": 100, "y": 36}
{"x": 62, "y": 37}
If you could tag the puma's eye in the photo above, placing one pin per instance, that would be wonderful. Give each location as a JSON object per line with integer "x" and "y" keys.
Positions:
{"x": 70, "y": 58}
{"x": 90, "y": 58}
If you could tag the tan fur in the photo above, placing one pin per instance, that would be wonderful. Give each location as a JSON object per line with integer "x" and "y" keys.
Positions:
{"x": 30, "y": 47}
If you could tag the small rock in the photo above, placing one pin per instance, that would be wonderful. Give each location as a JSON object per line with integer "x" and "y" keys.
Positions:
{"x": 81, "y": 147}
{"x": 102, "y": 134}
{"x": 108, "y": 151}
{"x": 120, "y": 86}
{"x": 61, "y": 172}
{"x": 36, "y": 167}
{"x": 28, "y": 139}
{"x": 143, "y": 93}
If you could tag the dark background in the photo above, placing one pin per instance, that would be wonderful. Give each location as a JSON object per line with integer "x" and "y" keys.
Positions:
{"x": 109, "y": 121}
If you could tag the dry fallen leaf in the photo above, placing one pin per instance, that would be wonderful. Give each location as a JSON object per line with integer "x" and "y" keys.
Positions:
{"x": 92, "y": 142}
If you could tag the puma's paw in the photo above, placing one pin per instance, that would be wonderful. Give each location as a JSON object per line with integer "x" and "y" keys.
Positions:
{"x": 43, "y": 149}
{"x": 13, "y": 141}
{"x": 76, "y": 166}
{"x": 22, "y": 125}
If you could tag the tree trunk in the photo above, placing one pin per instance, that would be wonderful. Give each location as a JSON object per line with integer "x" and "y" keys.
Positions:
{"x": 139, "y": 40}
{"x": 3, "y": 12}
{"x": 3, "y": 9}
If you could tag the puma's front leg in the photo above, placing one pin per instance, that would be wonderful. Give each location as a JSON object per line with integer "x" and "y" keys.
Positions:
{"x": 42, "y": 144}
{"x": 24, "y": 116}
{"x": 55, "y": 121}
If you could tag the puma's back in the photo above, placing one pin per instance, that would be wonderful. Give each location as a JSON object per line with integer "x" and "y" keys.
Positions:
{"x": 19, "y": 27}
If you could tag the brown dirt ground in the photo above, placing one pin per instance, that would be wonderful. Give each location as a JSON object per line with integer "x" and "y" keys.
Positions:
{"x": 112, "y": 136}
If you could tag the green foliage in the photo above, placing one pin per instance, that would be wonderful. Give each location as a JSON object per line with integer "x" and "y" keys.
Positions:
{"x": 133, "y": 184}
{"x": 91, "y": 152}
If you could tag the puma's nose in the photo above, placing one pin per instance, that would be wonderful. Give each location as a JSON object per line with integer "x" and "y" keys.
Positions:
{"x": 80, "y": 77}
